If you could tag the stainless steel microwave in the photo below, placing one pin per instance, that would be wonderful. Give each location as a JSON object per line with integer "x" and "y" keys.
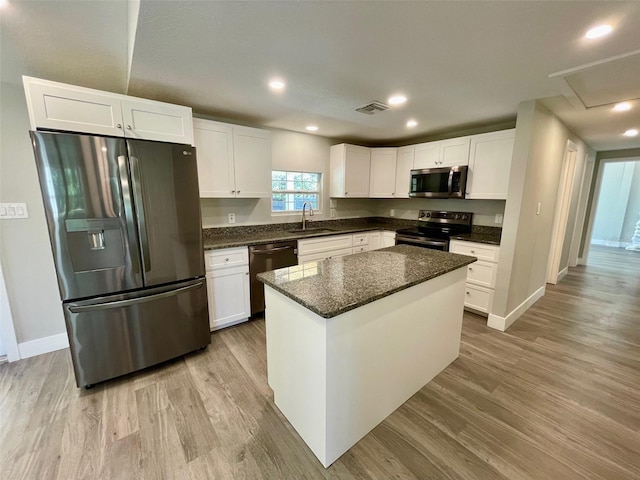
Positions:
{"x": 449, "y": 182}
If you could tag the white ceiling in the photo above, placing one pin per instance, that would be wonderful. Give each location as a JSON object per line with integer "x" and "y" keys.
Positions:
{"x": 461, "y": 64}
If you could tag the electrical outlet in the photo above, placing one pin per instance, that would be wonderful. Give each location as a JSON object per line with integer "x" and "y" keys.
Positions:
{"x": 392, "y": 212}
{"x": 498, "y": 218}
{"x": 332, "y": 213}
{"x": 232, "y": 218}
{"x": 13, "y": 210}
{"x": 333, "y": 203}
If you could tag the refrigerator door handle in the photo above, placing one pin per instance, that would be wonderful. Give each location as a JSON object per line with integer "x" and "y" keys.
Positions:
{"x": 136, "y": 184}
{"x": 132, "y": 301}
{"x": 125, "y": 185}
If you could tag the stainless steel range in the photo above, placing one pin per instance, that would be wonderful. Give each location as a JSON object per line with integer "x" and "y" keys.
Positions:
{"x": 435, "y": 229}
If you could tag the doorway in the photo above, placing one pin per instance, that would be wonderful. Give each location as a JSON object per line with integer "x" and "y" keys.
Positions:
{"x": 614, "y": 232}
{"x": 555, "y": 265}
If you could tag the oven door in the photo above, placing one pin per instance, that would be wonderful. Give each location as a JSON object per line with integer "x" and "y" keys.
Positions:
{"x": 433, "y": 243}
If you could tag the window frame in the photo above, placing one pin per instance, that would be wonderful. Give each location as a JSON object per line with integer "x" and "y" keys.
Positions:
{"x": 319, "y": 192}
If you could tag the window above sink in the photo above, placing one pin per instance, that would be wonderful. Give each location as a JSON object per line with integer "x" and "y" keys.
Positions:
{"x": 290, "y": 190}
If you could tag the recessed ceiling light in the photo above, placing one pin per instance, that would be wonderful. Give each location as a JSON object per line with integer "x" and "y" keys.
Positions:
{"x": 277, "y": 84}
{"x": 312, "y": 128}
{"x": 397, "y": 99}
{"x": 411, "y": 123}
{"x": 632, "y": 132}
{"x": 599, "y": 31}
{"x": 622, "y": 107}
{"x": 3, "y": 3}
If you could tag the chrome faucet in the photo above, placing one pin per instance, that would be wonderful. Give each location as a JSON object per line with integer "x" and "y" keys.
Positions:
{"x": 304, "y": 207}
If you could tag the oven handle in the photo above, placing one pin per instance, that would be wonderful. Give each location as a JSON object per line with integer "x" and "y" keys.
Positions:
{"x": 436, "y": 243}
{"x": 450, "y": 183}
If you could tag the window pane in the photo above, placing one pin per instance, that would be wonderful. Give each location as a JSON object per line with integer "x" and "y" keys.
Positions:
{"x": 301, "y": 187}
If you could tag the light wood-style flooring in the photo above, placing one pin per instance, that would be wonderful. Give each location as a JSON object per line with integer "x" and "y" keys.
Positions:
{"x": 556, "y": 397}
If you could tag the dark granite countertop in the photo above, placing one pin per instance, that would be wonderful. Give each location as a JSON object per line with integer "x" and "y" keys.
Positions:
{"x": 242, "y": 236}
{"x": 481, "y": 234}
{"x": 335, "y": 286}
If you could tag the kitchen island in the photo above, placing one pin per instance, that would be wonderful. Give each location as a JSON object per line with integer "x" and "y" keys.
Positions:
{"x": 352, "y": 338}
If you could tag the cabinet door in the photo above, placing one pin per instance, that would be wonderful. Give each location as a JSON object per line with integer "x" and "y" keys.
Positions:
{"x": 163, "y": 122}
{"x": 252, "y": 160}
{"x": 427, "y": 155}
{"x": 357, "y": 170}
{"x": 382, "y": 182}
{"x": 375, "y": 239}
{"x": 214, "y": 150}
{"x": 490, "y": 165}
{"x": 454, "y": 152}
{"x": 388, "y": 239}
{"x": 404, "y": 165}
{"x": 58, "y": 106}
{"x": 228, "y": 295}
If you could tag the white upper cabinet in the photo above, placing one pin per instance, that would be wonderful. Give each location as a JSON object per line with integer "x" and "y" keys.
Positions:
{"x": 162, "y": 122}
{"x": 214, "y": 151}
{"x": 427, "y": 155}
{"x": 443, "y": 153}
{"x": 383, "y": 172}
{"x": 350, "y": 167}
{"x": 233, "y": 161}
{"x": 404, "y": 165}
{"x": 58, "y": 106}
{"x": 454, "y": 152}
{"x": 490, "y": 165}
{"x": 252, "y": 159}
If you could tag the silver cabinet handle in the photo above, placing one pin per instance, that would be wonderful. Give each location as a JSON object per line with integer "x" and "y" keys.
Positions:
{"x": 473, "y": 251}
{"x": 233, "y": 191}
{"x": 119, "y": 125}
{"x": 128, "y": 127}
{"x": 468, "y": 293}
{"x": 238, "y": 191}
{"x": 470, "y": 269}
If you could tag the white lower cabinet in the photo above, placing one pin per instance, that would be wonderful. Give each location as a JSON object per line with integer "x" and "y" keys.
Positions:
{"x": 339, "y": 245}
{"x": 481, "y": 275}
{"x": 387, "y": 239}
{"x": 228, "y": 286}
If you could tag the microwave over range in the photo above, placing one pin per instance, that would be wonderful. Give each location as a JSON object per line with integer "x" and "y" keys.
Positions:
{"x": 448, "y": 182}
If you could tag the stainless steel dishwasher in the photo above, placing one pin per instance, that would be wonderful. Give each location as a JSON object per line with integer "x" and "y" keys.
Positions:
{"x": 263, "y": 258}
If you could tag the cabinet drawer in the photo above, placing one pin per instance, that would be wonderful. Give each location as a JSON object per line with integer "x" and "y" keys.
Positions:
{"x": 324, "y": 244}
{"x": 229, "y": 257}
{"x": 481, "y": 251}
{"x": 482, "y": 273}
{"x": 478, "y": 298}
{"x": 360, "y": 239}
{"x": 361, "y": 248}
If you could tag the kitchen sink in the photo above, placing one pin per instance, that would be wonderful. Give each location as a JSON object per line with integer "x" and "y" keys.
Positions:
{"x": 311, "y": 230}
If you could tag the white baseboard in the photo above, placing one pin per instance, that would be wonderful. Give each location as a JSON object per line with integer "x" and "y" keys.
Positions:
{"x": 610, "y": 243}
{"x": 502, "y": 323}
{"x": 43, "y": 345}
{"x": 562, "y": 273}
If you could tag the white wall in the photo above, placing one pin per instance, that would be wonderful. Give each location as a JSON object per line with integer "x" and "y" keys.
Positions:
{"x": 25, "y": 251}
{"x": 538, "y": 155}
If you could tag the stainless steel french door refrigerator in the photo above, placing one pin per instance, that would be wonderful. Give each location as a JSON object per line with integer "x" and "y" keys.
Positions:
{"x": 125, "y": 230}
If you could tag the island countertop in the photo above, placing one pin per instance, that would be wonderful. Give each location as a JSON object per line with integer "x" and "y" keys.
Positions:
{"x": 338, "y": 285}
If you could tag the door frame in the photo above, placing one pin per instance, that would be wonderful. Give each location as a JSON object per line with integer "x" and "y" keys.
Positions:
{"x": 561, "y": 217}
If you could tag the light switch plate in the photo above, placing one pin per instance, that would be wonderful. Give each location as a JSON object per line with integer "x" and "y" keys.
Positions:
{"x": 13, "y": 210}
{"x": 332, "y": 212}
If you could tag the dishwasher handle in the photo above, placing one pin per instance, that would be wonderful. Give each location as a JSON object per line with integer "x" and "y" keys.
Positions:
{"x": 273, "y": 250}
